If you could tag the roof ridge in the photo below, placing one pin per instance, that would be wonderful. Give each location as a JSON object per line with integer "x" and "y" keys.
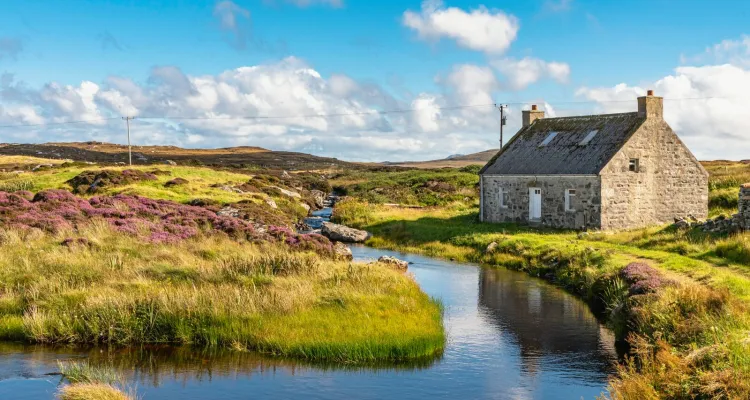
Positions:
{"x": 596, "y": 115}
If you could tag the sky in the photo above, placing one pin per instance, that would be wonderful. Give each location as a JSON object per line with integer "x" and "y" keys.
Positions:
{"x": 365, "y": 80}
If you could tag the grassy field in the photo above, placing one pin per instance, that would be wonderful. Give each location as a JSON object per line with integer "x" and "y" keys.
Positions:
{"x": 420, "y": 187}
{"x": 690, "y": 332}
{"x": 210, "y": 291}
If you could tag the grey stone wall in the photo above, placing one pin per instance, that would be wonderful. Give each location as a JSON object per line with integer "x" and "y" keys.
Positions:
{"x": 744, "y": 206}
{"x": 669, "y": 184}
{"x": 587, "y": 202}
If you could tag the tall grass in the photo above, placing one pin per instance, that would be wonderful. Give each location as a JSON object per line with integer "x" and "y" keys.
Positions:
{"x": 93, "y": 391}
{"x": 210, "y": 291}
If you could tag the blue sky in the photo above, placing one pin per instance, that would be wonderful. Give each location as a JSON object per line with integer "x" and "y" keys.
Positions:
{"x": 91, "y": 60}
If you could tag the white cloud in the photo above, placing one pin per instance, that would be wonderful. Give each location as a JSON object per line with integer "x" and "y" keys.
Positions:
{"x": 481, "y": 29}
{"x": 706, "y": 106}
{"x": 175, "y": 108}
{"x": 472, "y": 84}
{"x": 732, "y": 51}
{"x": 521, "y": 73}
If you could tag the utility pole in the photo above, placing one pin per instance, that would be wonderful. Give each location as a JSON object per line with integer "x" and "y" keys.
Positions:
{"x": 502, "y": 122}
{"x": 130, "y": 154}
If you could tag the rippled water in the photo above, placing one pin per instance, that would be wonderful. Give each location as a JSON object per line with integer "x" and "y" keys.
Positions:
{"x": 510, "y": 337}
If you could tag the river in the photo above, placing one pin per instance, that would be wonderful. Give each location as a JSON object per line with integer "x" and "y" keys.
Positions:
{"x": 510, "y": 336}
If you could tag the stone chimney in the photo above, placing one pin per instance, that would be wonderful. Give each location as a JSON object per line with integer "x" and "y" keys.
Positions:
{"x": 651, "y": 106}
{"x": 529, "y": 116}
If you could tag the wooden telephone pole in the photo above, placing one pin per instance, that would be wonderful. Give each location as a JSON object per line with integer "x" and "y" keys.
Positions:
{"x": 130, "y": 154}
{"x": 502, "y": 108}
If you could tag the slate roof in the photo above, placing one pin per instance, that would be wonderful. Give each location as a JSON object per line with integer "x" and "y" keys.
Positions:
{"x": 564, "y": 155}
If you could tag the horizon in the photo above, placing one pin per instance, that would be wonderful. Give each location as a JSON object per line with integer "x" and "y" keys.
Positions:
{"x": 356, "y": 81}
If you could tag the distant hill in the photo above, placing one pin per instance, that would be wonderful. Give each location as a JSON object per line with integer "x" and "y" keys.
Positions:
{"x": 456, "y": 160}
{"x": 231, "y": 156}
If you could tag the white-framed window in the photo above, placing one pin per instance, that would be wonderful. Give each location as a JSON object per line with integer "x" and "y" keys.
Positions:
{"x": 548, "y": 139}
{"x": 634, "y": 165}
{"x": 570, "y": 195}
{"x": 503, "y": 198}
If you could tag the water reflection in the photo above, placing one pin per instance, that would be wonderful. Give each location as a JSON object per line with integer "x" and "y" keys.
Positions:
{"x": 509, "y": 337}
{"x": 549, "y": 326}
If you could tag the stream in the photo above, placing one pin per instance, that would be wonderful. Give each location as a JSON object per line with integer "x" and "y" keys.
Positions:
{"x": 510, "y": 336}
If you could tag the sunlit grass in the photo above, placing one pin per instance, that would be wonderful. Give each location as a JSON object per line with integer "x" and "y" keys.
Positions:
{"x": 211, "y": 291}
{"x": 93, "y": 391}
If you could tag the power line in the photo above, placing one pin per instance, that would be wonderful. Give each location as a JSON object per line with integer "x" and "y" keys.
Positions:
{"x": 375, "y": 112}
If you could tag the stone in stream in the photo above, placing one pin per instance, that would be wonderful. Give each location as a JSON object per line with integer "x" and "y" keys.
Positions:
{"x": 342, "y": 251}
{"x": 319, "y": 198}
{"x": 395, "y": 262}
{"x": 341, "y": 233}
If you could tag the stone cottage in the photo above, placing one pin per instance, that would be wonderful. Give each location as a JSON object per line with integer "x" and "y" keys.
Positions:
{"x": 609, "y": 171}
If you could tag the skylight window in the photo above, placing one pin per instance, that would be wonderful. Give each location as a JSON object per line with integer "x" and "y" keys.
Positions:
{"x": 588, "y": 137}
{"x": 548, "y": 139}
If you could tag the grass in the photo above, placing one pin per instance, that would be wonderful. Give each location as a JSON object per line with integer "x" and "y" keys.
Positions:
{"x": 210, "y": 291}
{"x": 83, "y": 372}
{"x": 93, "y": 391}
{"x": 88, "y": 382}
{"x": 693, "y": 330}
{"x": 410, "y": 187}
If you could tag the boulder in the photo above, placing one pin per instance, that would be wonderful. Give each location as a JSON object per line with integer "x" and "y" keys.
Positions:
{"x": 341, "y": 233}
{"x": 342, "y": 251}
{"x": 491, "y": 247}
{"x": 170, "y": 162}
{"x": 288, "y": 193}
{"x": 228, "y": 212}
{"x": 271, "y": 203}
{"x": 681, "y": 224}
{"x": 306, "y": 207}
{"x": 319, "y": 197}
{"x": 400, "y": 265}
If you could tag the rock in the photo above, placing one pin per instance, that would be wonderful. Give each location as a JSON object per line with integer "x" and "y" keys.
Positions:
{"x": 306, "y": 207}
{"x": 491, "y": 247}
{"x": 228, "y": 188}
{"x": 285, "y": 175}
{"x": 41, "y": 166}
{"x": 288, "y": 193}
{"x": 342, "y": 251}
{"x": 170, "y": 162}
{"x": 681, "y": 224}
{"x": 228, "y": 212}
{"x": 176, "y": 182}
{"x": 271, "y": 203}
{"x": 341, "y": 233}
{"x": 400, "y": 265}
{"x": 319, "y": 197}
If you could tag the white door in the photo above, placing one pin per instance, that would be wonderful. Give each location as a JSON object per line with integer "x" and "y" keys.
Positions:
{"x": 535, "y": 203}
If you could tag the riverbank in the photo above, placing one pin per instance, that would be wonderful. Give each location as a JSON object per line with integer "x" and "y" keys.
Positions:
{"x": 687, "y": 321}
{"x": 210, "y": 290}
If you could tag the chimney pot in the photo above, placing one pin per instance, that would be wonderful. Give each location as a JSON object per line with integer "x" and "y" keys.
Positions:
{"x": 533, "y": 107}
{"x": 650, "y": 92}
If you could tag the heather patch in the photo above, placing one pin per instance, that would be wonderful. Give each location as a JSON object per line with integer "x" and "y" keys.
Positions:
{"x": 154, "y": 220}
{"x": 642, "y": 278}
